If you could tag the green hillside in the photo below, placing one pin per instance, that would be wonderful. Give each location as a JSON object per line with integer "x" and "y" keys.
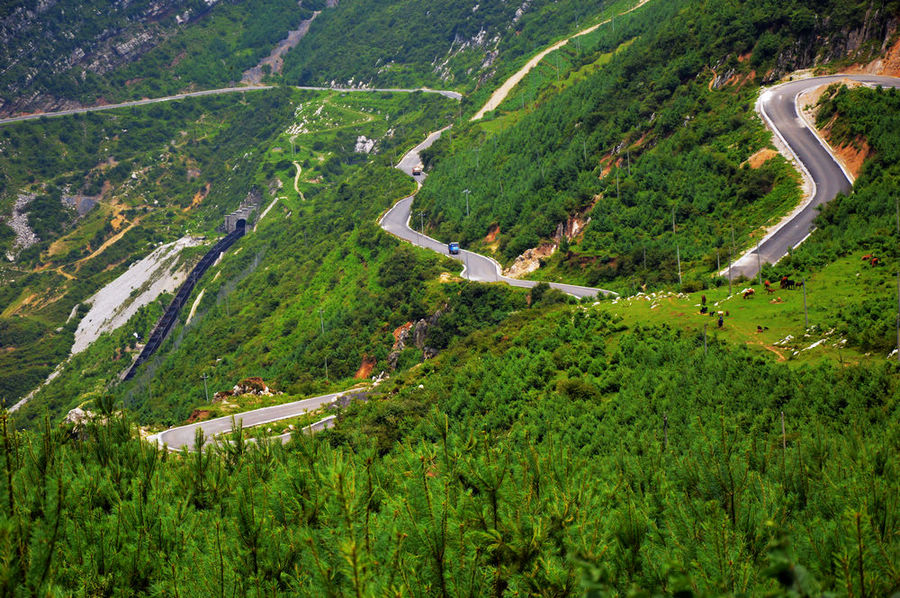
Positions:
{"x": 553, "y": 454}
{"x": 155, "y": 173}
{"x": 684, "y": 438}
{"x": 440, "y": 44}
{"x": 96, "y": 52}
{"x": 638, "y": 132}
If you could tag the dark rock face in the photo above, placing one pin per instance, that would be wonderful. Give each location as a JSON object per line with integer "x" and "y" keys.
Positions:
{"x": 414, "y": 334}
{"x": 44, "y": 47}
{"x": 824, "y": 44}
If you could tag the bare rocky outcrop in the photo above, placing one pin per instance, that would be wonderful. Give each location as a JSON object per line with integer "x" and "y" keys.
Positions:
{"x": 112, "y": 306}
{"x": 275, "y": 60}
{"x": 130, "y": 30}
{"x": 531, "y": 259}
{"x": 252, "y": 386}
{"x": 25, "y": 237}
{"x": 414, "y": 334}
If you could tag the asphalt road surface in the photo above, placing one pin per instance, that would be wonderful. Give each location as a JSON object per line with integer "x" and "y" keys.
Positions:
{"x": 778, "y": 106}
{"x": 210, "y": 92}
{"x": 475, "y": 266}
{"x": 183, "y": 436}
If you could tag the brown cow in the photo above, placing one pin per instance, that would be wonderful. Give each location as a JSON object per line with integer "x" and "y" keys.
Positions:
{"x": 747, "y": 293}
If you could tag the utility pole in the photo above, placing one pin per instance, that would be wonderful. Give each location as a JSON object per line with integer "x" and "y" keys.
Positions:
{"x": 758, "y": 262}
{"x": 468, "y": 193}
{"x": 718, "y": 263}
{"x": 805, "y": 313}
{"x": 898, "y": 317}
{"x": 730, "y": 261}
{"x": 322, "y": 323}
{"x": 205, "y": 389}
{"x": 677, "y": 248}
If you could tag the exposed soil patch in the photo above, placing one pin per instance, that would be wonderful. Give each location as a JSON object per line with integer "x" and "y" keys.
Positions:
{"x": 275, "y": 60}
{"x": 852, "y": 155}
{"x": 401, "y": 330}
{"x": 365, "y": 368}
{"x": 198, "y": 198}
{"x": 761, "y": 157}
{"x": 530, "y": 260}
{"x": 889, "y": 64}
{"x": 492, "y": 233}
{"x": 198, "y": 415}
{"x": 774, "y": 350}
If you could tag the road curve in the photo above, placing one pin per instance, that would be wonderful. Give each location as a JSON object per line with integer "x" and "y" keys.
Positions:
{"x": 210, "y": 92}
{"x": 183, "y": 436}
{"x": 476, "y": 267}
{"x": 778, "y": 108}
{"x": 507, "y": 86}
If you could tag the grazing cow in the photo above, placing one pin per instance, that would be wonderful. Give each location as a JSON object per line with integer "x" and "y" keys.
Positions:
{"x": 784, "y": 281}
{"x": 874, "y": 261}
{"x": 867, "y": 257}
{"x": 747, "y": 293}
{"x": 789, "y": 284}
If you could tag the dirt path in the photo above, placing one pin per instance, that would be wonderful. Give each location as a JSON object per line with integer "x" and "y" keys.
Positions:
{"x": 296, "y": 182}
{"x": 498, "y": 96}
{"x": 275, "y": 60}
{"x": 194, "y": 307}
{"x": 106, "y": 244}
{"x": 266, "y": 211}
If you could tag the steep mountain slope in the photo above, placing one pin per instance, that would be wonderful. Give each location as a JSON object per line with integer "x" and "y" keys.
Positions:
{"x": 635, "y": 127}
{"x": 521, "y": 444}
{"x": 66, "y": 53}
{"x": 103, "y": 191}
{"x": 441, "y": 44}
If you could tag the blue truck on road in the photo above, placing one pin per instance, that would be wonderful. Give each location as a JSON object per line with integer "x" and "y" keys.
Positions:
{"x": 453, "y": 248}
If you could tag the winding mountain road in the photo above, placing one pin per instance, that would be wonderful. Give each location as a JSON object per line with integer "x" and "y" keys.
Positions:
{"x": 507, "y": 86}
{"x": 183, "y": 436}
{"x": 211, "y": 92}
{"x": 476, "y": 267}
{"x": 779, "y": 108}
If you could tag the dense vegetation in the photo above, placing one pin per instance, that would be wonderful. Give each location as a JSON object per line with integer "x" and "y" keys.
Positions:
{"x": 537, "y": 457}
{"x": 313, "y": 263}
{"x": 631, "y": 143}
{"x": 866, "y": 222}
{"x": 550, "y": 447}
{"x": 210, "y": 49}
{"x": 147, "y": 167}
{"x": 441, "y": 44}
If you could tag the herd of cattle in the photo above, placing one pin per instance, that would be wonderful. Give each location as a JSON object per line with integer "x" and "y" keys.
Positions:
{"x": 789, "y": 284}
